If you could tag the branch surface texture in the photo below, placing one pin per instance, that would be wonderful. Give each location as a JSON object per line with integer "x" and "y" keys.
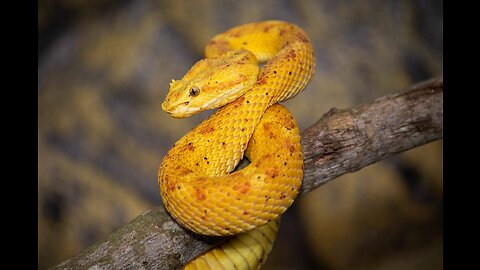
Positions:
{"x": 342, "y": 141}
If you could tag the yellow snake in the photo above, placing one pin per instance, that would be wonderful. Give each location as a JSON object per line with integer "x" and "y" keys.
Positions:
{"x": 195, "y": 179}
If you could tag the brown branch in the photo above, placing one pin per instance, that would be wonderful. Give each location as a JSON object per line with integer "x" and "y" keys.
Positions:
{"x": 342, "y": 141}
{"x": 345, "y": 141}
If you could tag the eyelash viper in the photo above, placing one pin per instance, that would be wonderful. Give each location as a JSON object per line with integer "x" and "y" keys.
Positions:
{"x": 196, "y": 181}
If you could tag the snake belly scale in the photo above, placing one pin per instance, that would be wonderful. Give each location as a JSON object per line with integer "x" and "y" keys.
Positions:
{"x": 196, "y": 181}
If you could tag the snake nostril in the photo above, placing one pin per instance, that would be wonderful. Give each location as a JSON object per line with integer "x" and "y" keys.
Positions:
{"x": 186, "y": 103}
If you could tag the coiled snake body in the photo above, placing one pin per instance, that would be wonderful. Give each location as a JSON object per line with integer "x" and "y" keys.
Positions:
{"x": 196, "y": 183}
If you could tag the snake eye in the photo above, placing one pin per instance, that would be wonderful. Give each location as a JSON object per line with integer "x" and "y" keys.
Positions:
{"x": 194, "y": 91}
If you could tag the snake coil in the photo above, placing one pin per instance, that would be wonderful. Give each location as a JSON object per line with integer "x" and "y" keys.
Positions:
{"x": 196, "y": 181}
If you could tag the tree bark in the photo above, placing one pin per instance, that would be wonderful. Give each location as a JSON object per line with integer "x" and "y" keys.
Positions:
{"x": 345, "y": 141}
{"x": 342, "y": 141}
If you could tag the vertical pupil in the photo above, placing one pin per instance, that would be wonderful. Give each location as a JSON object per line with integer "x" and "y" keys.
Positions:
{"x": 194, "y": 91}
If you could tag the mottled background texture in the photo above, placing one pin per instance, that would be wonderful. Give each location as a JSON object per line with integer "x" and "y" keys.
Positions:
{"x": 104, "y": 68}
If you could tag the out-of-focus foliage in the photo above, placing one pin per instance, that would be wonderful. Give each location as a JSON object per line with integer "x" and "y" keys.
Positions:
{"x": 104, "y": 69}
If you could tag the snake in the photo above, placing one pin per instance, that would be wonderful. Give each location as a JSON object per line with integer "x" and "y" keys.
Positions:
{"x": 246, "y": 72}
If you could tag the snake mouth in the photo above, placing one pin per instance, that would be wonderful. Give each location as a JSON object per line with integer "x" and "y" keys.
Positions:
{"x": 180, "y": 110}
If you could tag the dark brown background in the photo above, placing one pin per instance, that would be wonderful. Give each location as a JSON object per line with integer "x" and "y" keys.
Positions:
{"x": 104, "y": 69}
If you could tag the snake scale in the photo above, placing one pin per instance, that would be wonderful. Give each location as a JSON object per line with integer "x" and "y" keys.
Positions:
{"x": 197, "y": 183}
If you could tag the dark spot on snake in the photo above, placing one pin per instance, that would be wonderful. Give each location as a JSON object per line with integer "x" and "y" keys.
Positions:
{"x": 205, "y": 211}
{"x": 206, "y": 129}
{"x": 282, "y": 196}
{"x": 200, "y": 194}
{"x": 262, "y": 80}
{"x": 291, "y": 149}
{"x": 205, "y": 158}
{"x": 273, "y": 172}
{"x": 248, "y": 101}
{"x": 245, "y": 212}
{"x": 275, "y": 72}
{"x": 196, "y": 163}
{"x": 208, "y": 162}
{"x": 236, "y": 103}
{"x": 242, "y": 129}
{"x": 285, "y": 163}
{"x": 302, "y": 37}
{"x": 289, "y": 73}
{"x": 266, "y": 94}
{"x": 244, "y": 43}
{"x": 190, "y": 147}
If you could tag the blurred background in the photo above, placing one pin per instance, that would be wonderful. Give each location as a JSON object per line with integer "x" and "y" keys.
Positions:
{"x": 104, "y": 68}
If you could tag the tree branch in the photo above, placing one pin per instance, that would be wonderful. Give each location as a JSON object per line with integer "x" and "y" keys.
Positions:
{"x": 342, "y": 141}
{"x": 345, "y": 141}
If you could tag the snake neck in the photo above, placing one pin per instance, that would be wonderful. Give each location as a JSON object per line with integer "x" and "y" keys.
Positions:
{"x": 290, "y": 64}
{"x": 284, "y": 47}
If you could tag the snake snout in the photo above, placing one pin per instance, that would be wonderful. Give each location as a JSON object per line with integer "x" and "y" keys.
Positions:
{"x": 180, "y": 110}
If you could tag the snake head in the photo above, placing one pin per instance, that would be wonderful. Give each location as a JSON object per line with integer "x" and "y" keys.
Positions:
{"x": 211, "y": 83}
